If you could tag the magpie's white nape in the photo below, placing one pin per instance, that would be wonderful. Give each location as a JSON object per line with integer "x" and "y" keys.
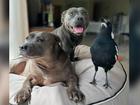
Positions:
{"x": 104, "y": 24}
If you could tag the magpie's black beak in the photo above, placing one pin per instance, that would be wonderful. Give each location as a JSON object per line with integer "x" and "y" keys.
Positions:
{"x": 103, "y": 20}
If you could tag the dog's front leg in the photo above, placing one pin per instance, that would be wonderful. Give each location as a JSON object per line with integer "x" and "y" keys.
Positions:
{"x": 73, "y": 90}
{"x": 25, "y": 92}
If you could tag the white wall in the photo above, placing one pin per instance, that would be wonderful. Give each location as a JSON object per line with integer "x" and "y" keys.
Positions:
{"x": 18, "y": 25}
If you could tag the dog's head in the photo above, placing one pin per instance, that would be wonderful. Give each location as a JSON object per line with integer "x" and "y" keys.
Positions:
{"x": 38, "y": 43}
{"x": 75, "y": 20}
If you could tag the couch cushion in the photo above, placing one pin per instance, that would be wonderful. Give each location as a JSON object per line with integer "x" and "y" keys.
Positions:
{"x": 55, "y": 94}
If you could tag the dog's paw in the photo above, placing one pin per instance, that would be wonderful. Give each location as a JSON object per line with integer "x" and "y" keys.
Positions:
{"x": 22, "y": 96}
{"x": 75, "y": 95}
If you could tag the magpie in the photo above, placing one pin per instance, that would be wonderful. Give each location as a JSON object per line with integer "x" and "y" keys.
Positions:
{"x": 104, "y": 50}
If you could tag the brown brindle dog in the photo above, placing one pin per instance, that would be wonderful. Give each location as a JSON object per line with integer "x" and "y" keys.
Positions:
{"x": 48, "y": 64}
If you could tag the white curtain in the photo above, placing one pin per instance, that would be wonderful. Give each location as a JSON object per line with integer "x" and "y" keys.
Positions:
{"x": 18, "y": 25}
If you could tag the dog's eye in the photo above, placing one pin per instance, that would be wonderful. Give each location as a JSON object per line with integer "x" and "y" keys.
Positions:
{"x": 71, "y": 13}
{"x": 40, "y": 40}
{"x": 84, "y": 13}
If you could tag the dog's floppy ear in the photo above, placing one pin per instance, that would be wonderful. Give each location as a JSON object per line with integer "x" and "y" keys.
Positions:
{"x": 58, "y": 46}
{"x": 58, "y": 40}
{"x": 63, "y": 16}
{"x": 17, "y": 66}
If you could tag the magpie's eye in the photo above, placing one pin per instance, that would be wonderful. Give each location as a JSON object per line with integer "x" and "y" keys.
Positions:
{"x": 40, "y": 40}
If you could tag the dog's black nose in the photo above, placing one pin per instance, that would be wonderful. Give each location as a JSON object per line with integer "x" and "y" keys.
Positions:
{"x": 24, "y": 47}
{"x": 80, "y": 18}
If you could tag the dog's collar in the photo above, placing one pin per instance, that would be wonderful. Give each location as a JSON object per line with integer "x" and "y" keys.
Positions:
{"x": 76, "y": 39}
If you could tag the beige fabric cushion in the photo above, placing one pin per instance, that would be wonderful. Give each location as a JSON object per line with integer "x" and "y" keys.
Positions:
{"x": 55, "y": 94}
{"x": 82, "y": 51}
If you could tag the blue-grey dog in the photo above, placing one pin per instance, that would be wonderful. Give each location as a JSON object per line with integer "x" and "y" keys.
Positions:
{"x": 74, "y": 22}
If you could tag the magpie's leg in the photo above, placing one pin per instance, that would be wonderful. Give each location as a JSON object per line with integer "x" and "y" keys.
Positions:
{"x": 94, "y": 77}
{"x": 106, "y": 85}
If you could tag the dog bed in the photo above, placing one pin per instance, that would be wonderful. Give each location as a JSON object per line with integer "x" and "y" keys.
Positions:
{"x": 55, "y": 94}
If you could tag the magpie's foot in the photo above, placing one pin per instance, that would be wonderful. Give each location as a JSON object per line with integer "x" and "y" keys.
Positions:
{"x": 107, "y": 85}
{"x": 93, "y": 82}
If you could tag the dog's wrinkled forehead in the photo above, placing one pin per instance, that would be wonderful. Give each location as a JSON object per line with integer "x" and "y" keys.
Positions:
{"x": 41, "y": 37}
{"x": 34, "y": 35}
{"x": 72, "y": 12}
{"x": 76, "y": 11}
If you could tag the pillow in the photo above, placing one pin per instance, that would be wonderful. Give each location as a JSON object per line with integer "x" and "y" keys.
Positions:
{"x": 55, "y": 94}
